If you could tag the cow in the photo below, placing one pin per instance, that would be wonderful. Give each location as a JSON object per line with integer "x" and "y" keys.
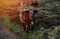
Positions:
{"x": 25, "y": 20}
{"x": 27, "y": 17}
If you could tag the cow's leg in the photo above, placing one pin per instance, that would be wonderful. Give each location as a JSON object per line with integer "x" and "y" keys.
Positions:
{"x": 31, "y": 26}
{"x": 26, "y": 28}
{"x": 23, "y": 27}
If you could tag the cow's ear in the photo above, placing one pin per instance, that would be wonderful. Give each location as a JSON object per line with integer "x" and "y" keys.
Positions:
{"x": 35, "y": 11}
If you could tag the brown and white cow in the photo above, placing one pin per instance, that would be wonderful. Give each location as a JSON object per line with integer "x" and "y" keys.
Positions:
{"x": 27, "y": 17}
{"x": 25, "y": 20}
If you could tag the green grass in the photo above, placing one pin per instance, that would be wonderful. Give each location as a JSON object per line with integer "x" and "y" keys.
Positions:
{"x": 39, "y": 34}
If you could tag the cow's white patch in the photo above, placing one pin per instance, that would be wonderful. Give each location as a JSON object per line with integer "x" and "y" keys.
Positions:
{"x": 31, "y": 22}
{"x": 31, "y": 14}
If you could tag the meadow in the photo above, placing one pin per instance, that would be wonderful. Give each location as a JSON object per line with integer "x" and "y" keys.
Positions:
{"x": 47, "y": 22}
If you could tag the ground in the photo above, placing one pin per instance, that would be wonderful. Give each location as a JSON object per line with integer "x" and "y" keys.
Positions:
{"x": 5, "y": 33}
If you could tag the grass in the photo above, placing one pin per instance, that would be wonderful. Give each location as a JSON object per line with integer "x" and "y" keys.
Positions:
{"x": 39, "y": 34}
{"x": 42, "y": 33}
